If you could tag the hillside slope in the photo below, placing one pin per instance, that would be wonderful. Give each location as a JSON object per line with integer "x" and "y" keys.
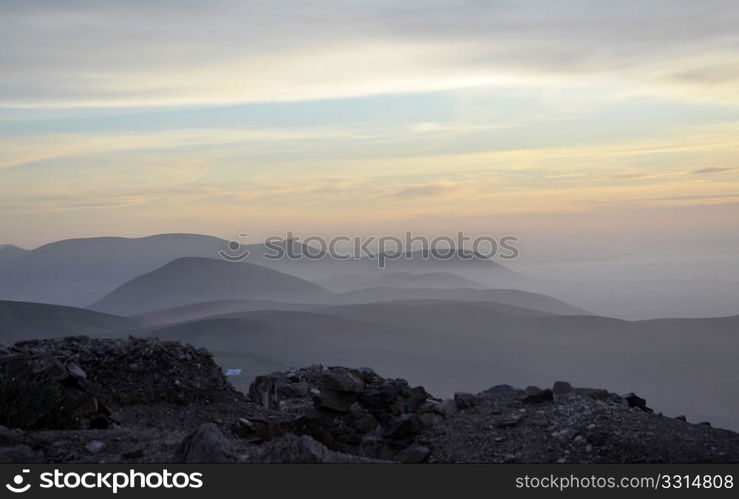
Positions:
{"x": 25, "y": 321}
{"x": 194, "y": 280}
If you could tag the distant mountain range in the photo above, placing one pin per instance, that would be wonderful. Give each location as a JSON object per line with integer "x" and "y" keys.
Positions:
{"x": 22, "y": 321}
{"x": 78, "y": 272}
{"x": 440, "y": 280}
{"x": 9, "y": 252}
{"x": 513, "y": 297}
{"x": 194, "y": 280}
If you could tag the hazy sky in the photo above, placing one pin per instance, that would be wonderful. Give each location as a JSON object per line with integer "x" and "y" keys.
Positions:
{"x": 600, "y": 122}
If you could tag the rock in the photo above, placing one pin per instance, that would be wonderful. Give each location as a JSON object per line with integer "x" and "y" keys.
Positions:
{"x": 433, "y": 412}
{"x": 508, "y": 422}
{"x": 509, "y": 458}
{"x": 133, "y": 454}
{"x": 429, "y": 419}
{"x": 335, "y": 401}
{"x": 319, "y": 415}
{"x": 44, "y": 395}
{"x": 266, "y": 429}
{"x": 290, "y": 391}
{"x": 464, "y": 400}
{"x": 290, "y": 448}
{"x": 402, "y": 426}
{"x": 538, "y": 397}
{"x": 10, "y": 437}
{"x": 681, "y": 418}
{"x": 76, "y": 371}
{"x": 263, "y": 391}
{"x": 502, "y": 390}
{"x": 99, "y": 422}
{"x": 414, "y": 398}
{"x": 594, "y": 393}
{"x": 245, "y": 428}
{"x": 364, "y": 423}
{"x": 412, "y": 455}
{"x": 379, "y": 448}
{"x": 635, "y": 401}
{"x": 561, "y": 388}
{"x": 19, "y": 454}
{"x": 67, "y": 383}
{"x": 615, "y": 398}
{"x": 95, "y": 446}
{"x": 448, "y": 408}
{"x": 205, "y": 445}
{"x": 387, "y": 397}
{"x": 342, "y": 380}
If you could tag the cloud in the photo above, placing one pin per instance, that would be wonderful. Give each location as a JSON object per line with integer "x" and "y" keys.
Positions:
{"x": 710, "y": 170}
{"x": 424, "y": 190}
{"x": 432, "y": 126}
{"x": 694, "y": 197}
{"x": 18, "y": 151}
{"x": 136, "y": 53}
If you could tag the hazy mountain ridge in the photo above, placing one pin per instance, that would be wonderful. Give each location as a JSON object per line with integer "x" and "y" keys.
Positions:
{"x": 437, "y": 280}
{"x": 193, "y": 280}
{"x": 513, "y": 297}
{"x": 190, "y": 312}
{"x": 98, "y": 265}
{"x": 10, "y": 252}
{"x": 77, "y": 272}
{"x": 23, "y": 321}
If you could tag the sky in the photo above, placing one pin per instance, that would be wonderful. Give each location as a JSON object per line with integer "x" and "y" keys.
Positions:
{"x": 581, "y": 126}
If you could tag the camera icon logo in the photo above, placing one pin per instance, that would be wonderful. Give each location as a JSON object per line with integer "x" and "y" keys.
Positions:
{"x": 236, "y": 252}
{"x": 17, "y": 486}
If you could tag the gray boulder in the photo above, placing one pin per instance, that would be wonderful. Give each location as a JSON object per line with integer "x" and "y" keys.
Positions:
{"x": 636, "y": 401}
{"x": 335, "y": 401}
{"x": 205, "y": 445}
{"x": 465, "y": 400}
{"x": 413, "y": 455}
{"x": 561, "y": 388}
{"x": 342, "y": 380}
{"x": 19, "y": 454}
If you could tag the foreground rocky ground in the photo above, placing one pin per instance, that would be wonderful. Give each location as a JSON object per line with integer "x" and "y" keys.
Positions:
{"x": 94, "y": 401}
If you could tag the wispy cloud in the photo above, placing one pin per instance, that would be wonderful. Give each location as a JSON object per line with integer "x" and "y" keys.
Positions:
{"x": 711, "y": 170}
{"x": 425, "y": 190}
{"x": 431, "y": 127}
{"x": 17, "y": 151}
{"x": 83, "y": 53}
